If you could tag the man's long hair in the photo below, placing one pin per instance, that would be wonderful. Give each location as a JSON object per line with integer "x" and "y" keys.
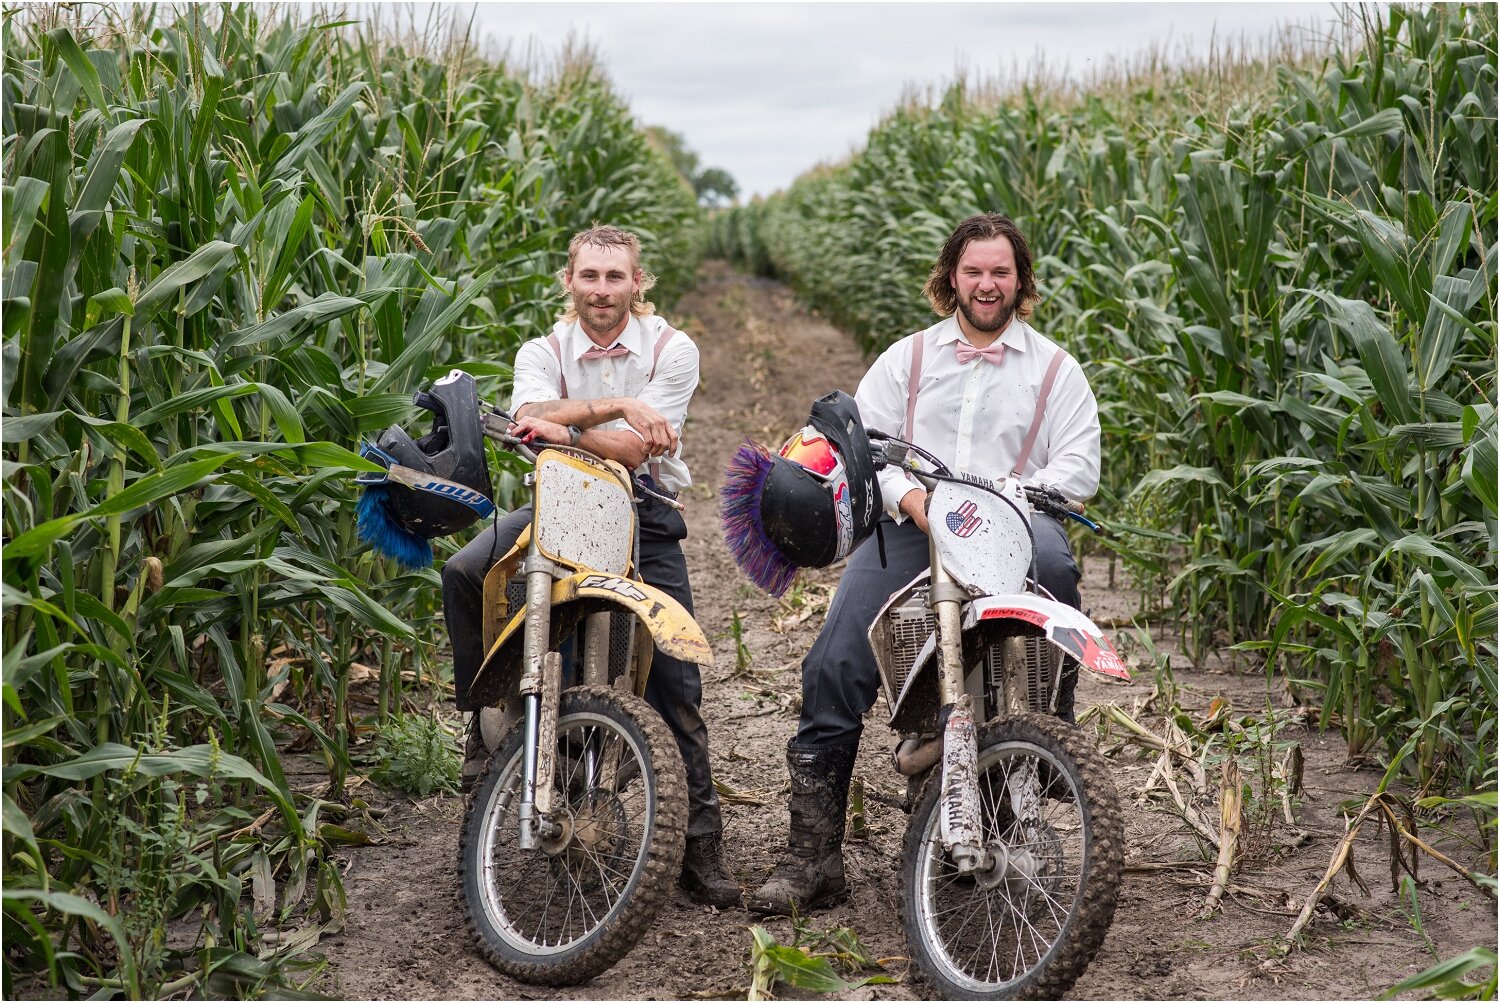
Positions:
{"x": 985, "y": 226}
{"x": 607, "y": 237}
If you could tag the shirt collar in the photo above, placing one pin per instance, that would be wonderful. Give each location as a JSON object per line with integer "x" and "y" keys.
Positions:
{"x": 629, "y": 338}
{"x": 1013, "y": 337}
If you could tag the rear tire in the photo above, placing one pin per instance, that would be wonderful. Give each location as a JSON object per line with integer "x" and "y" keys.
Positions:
{"x": 562, "y": 918}
{"x": 1033, "y": 936}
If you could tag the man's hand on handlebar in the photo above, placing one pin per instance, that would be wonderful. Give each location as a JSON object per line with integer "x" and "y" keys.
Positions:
{"x": 533, "y": 430}
{"x": 914, "y": 507}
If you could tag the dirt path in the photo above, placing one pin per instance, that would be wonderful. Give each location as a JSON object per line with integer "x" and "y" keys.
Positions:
{"x": 763, "y": 361}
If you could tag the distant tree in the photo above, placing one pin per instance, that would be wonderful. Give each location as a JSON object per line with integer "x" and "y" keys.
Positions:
{"x": 714, "y": 186}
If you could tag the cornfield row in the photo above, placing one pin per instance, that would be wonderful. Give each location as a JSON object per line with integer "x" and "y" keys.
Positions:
{"x": 1282, "y": 282}
{"x": 234, "y": 245}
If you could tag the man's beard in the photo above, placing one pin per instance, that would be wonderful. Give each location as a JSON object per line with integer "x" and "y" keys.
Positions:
{"x": 1002, "y": 319}
{"x": 601, "y": 318}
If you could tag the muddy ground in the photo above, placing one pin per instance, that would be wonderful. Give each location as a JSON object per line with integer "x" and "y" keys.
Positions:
{"x": 763, "y": 360}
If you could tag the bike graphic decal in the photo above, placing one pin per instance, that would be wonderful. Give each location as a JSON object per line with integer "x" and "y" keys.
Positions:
{"x": 616, "y": 585}
{"x": 962, "y": 522}
{"x": 1035, "y": 616}
{"x": 1094, "y": 652}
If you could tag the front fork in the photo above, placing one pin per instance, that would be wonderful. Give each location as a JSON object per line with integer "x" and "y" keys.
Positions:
{"x": 541, "y": 692}
{"x": 960, "y": 827}
{"x": 541, "y": 688}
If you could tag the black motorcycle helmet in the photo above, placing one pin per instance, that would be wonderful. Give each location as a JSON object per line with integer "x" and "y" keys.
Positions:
{"x": 809, "y": 505}
{"x": 453, "y": 450}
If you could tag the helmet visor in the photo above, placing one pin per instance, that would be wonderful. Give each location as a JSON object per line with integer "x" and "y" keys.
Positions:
{"x": 811, "y": 451}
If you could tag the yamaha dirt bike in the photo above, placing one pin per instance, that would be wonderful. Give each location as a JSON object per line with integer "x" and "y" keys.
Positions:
{"x": 575, "y": 833}
{"x": 1013, "y": 854}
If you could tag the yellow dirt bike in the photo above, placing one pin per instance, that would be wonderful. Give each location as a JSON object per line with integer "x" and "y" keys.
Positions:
{"x": 575, "y": 833}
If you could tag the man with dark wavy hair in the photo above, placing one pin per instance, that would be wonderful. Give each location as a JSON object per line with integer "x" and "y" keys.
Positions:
{"x": 968, "y": 390}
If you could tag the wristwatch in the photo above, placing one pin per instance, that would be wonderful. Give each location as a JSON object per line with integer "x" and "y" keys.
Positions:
{"x": 574, "y": 433}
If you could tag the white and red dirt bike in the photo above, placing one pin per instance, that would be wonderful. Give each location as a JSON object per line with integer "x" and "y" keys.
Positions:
{"x": 1012, "y": 857}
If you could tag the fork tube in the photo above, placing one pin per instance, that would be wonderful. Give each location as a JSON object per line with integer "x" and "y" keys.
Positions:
{"x": 537, "y": 641}
{"x": 596, "y": 649}
{"x": 527, "y": 836}
{"x": 946, "y": 597}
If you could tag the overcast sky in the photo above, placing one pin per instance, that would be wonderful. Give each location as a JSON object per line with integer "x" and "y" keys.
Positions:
{"x": 767, "y": 91}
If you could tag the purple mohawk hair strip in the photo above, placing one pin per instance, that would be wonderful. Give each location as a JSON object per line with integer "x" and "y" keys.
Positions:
{"x": 739, "y": 512}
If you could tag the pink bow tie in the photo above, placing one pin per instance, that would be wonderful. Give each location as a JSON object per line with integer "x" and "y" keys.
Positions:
{"x": 968, "y": 353}
{"x": 595, "y": 352}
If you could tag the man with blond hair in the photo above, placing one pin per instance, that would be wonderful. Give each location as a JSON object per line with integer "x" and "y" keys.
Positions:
{"x": 615, "y": 379}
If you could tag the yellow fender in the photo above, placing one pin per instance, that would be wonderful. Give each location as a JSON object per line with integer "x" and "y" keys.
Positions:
{"x": 673, "y": 628}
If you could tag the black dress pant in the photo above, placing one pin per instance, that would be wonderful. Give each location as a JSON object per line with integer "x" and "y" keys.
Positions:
{"x": 674, "y": 688}
{"x": 839, "y": 676}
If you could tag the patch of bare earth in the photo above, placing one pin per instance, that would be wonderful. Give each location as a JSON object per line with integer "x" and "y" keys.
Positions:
{"x": 764, "y": 359}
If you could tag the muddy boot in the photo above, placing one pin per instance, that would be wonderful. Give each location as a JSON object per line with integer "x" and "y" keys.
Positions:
{"x": 811, "y": 872}
{"x": 476, "y": 756}
{"x": 704, "y": 876}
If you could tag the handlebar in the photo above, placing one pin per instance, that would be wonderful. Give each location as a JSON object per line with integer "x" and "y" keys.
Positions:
{"x": 496, "y": 428}
{"x": 889, "y": 451}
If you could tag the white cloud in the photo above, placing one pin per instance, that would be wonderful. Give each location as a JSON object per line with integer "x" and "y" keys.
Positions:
{"x": 768, "y": 90}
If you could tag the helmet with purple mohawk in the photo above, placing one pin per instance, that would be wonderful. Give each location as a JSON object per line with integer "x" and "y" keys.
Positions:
{"x": 809, "y": 505}
{"x": 744, "y": 532}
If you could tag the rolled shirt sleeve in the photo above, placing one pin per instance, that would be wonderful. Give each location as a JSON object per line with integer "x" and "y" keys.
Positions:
{"x": 671, "y": 390}
{"x": 537, "y": 376}
{"x": 1072, "y": 436}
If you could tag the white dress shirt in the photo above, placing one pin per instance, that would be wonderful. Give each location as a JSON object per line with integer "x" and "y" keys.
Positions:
{"x": 537, "y": 378}
{"x": 974, "y": 416}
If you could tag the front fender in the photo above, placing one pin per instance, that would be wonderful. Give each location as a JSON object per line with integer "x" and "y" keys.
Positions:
{"x": 672, "y": 627}
{"x": 1066, "y": 628}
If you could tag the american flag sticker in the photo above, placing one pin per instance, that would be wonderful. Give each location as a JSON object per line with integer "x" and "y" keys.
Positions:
{"x": 962, "y": 522}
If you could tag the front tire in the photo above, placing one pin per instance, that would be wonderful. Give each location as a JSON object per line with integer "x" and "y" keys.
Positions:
{"x": 562, "y": 917}
{"x": 1032, "y": 935}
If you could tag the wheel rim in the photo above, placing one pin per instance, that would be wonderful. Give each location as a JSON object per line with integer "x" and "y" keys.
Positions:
{"x": 982, "y": 939}
{"x": 545, "y": 903}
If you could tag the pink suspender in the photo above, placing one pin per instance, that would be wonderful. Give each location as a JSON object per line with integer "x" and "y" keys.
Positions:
{"x": 1041, "y": 411}
{"x": 1036, "y": 419}
{"x": 562, "y": 379}
{"x": 912, "y": 381}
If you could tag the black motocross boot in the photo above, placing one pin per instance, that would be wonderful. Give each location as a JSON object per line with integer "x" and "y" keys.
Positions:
{"x": 811, "y": 872}
{"x": 704, "y": 876}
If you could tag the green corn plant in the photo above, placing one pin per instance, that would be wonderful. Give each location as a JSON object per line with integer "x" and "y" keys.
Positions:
{"x": 234, "y": 244}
